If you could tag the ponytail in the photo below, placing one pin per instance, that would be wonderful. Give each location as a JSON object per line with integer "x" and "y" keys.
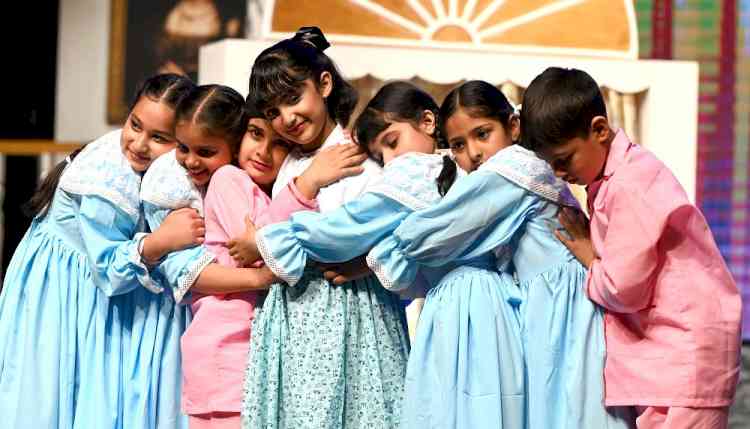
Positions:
{"x": 447, "y": 175}
{"x": 38, "y": 205}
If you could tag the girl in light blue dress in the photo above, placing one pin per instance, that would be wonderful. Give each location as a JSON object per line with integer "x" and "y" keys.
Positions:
{"x": 398, "y": 129}
{"x": 507, "y": 207}
{"x": 86, "y": 339}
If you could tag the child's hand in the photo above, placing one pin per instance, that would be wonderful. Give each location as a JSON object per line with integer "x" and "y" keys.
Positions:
{"x": 243, "y": 249}
{"x": 181, "y": 229}
{"x": 578, "y": 238}
{"x": 330, "y": 165}
{"x": 346, "y": 271}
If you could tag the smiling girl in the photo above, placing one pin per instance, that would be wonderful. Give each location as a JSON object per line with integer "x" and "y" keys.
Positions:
{"x": 82, "y": 333}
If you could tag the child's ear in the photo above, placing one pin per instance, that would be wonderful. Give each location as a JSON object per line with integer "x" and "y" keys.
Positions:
{"x": 515, "y": 127}
{"x": 428, "y": 123}
{"x": 325, "y": 84}
{"x": 600, "y": 129}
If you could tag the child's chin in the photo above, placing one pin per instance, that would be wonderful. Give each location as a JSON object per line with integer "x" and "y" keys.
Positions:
{"x": 260, "y": 178}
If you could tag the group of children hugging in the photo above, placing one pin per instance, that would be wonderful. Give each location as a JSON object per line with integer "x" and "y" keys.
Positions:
{"x": 222, "y": 262}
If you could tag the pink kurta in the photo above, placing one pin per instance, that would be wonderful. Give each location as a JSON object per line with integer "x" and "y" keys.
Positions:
{"x": 673, "y": 310}
{"x": 215, "y": 345}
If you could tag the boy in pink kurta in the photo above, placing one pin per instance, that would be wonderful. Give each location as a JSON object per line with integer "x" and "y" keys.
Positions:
{"x": 216, "y": 344}
{"x": 672, "y": 325}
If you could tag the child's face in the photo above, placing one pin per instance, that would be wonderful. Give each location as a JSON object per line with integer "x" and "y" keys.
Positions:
{"x": 262, "y": 152}
{"x": 147, "y": 133}
{"x": 200, "y": 153}
{"x": 403, "y": 137}
{"x": 302, "y": 118}
{"x": 473, "y": 140}
{"x": 579, "y": 161}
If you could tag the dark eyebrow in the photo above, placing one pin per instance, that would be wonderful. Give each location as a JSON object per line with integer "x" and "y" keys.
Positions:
{"x": 161, "y": 132}
{"x": 486, "y": 124}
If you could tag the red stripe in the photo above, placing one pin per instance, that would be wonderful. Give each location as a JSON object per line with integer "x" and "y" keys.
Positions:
{"x": 661, "y": 29}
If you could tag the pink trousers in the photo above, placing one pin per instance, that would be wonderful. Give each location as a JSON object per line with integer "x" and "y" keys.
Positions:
{"x": 679, "y": 418}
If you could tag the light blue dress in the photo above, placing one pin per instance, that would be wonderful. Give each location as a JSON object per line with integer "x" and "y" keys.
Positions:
{"x": 85, "y": 339}
{"x": 506, "y": 208}
{"x": 326, "y": 356}
{"x": 167, "y": 187}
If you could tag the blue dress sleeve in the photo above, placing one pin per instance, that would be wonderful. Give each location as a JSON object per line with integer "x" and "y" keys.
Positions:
{"x": 480, "y": 213}
{"x": 112, "y": 242}
{"x": 336, "y": 236}
{"x": 178, "y": 270}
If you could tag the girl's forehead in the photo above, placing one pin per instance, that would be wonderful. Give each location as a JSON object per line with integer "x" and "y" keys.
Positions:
{"x": 149, "y": 107}
{"x": 190, "y": 130}
{"x": 278, "y": 93}
{"x": 461, "y": 119}
{"x": 154, "y": 114}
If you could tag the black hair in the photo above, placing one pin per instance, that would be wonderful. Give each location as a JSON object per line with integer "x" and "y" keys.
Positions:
{"x": 280, "y": 71}
{"x": 478, "y": 99}
{"x": 219, "y": 110}
{"x": 400, "y": 102}
{"x": 251, "y": 109}
{"x": 559, "y": 105}
{"x": 167, "y": 88}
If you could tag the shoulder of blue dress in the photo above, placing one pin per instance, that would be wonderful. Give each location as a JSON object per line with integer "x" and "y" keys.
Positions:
{"x": 525, "y": 169}
{"x": 410, "y": 180}
{"x": 101, "y": 169}
{"x": 166, "y": 184}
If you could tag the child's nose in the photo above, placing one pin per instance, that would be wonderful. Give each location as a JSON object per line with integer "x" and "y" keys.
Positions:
{"x": 192, "y": 161}
{"x": 140, "y": 145}
{"x": 287, "y": 116}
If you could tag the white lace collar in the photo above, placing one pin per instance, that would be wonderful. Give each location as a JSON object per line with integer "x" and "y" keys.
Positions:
{"x": 101, "y": 169}
{"x": 526, "y": 170}
{"x": 166, "y": 185}
{"x": 411, "y": 179}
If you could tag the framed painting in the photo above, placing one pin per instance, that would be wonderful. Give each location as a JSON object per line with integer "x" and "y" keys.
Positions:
{"x": 158, "y": 36}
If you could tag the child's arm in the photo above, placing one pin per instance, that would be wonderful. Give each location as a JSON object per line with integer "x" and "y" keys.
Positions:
{"x": 337, "y": 236}
{"x": 290, "y": 200}
{"x": 578, "y": 237}
{"x": 330, "y": 165}
{"x": 621, "y": 279}
{"x": 116, "y": 251}
{"x": 217, "y": 279}
{"x": 480, "y": 214}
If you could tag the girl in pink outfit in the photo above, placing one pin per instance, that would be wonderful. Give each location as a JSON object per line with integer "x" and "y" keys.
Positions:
{"x": 214, "y": 130}
{"x": 673, "y": 310}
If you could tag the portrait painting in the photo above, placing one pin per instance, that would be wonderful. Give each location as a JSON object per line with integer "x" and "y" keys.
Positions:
{"x": 163, "y": 36}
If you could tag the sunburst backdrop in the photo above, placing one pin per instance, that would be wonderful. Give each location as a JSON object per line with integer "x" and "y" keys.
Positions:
{"x": 592, "y": 25}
